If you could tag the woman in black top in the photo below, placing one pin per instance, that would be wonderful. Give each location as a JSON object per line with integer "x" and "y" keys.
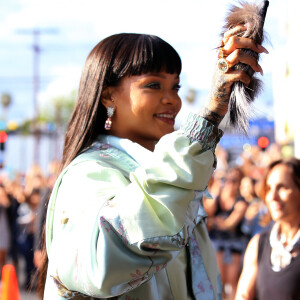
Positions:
{"x": 226, "y": 214}
{"x": 272, "y": 261}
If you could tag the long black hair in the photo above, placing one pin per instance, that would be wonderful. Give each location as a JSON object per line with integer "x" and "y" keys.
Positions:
{"x": 117, "y": 56}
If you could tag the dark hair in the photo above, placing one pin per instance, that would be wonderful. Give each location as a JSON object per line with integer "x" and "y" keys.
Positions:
{"x": 292, "y": 163}
{"x": 235, "y": 169}
{"x": 117, "y": 56}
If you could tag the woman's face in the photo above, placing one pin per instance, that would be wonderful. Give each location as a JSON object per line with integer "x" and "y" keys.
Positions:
{"x": 246, "y": 188}
{"x": 282, "y": 195}
{"x": 145, "y": 107}
{"x": 232, "y": 181}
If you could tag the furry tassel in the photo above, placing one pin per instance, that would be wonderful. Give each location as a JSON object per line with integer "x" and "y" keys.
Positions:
{"x": 241, "y": 98}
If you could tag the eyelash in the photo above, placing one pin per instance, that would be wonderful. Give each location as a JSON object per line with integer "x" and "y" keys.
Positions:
{"x": 155, "y": 85}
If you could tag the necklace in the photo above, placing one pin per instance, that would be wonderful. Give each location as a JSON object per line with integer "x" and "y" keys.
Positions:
{"x": 281, "y": 255}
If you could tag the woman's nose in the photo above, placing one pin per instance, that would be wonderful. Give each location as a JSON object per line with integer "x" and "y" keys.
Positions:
{"x": 171, "y": 98}
{"x": 273, "y": 195}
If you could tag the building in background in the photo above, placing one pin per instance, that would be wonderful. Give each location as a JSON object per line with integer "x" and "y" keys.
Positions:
{"x": 286, "y": 66}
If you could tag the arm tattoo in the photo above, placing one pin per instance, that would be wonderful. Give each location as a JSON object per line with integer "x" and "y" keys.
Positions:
{"x": 220, "y": 93}
{"x": 220, "y": 90}
{"x": 211, "y": 116}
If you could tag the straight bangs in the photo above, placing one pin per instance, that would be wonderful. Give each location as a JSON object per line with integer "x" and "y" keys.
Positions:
{"x": 139, "y": 54}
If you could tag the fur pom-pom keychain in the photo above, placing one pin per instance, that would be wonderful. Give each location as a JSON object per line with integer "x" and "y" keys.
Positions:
{"x": 241, "y": 96}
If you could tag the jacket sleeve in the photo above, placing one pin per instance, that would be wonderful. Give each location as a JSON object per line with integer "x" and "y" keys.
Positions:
{"x": 110, "y": 233}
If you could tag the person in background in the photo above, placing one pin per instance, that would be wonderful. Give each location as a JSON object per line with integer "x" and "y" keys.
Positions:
{"x": 222, "y": 156}
{"x": 27, "y": 213}
{"x": 5, "y": 230}
{"x": 252, "y": 162}
{"x": 225, "y": 216}
{"x": 42, "y": 211}
{"x": 256, "y": 217}
{"x": 215, "y": 185}
{"x": 15, "y": 192}
{"x": 34, "y": 180}
{"x": 271, "y": 267}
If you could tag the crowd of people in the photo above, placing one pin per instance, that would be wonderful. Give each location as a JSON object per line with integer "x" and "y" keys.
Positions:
{"x": 235, "y": 210}
{"x": 22, "y": 215}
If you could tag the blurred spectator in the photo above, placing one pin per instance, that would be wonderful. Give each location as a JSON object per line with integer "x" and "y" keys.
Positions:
{"x": 272, "y": 260}
{"x": 215, "y": 185}
{"x": 42, "y": 210}
{"x": 256, "y": 216}
{"x": 22, "y": 216}
{"x": 14, "y": 191}
{"x": 4, "y": 227}
{"x": 225, "y": 215}
{"x": 27, "y": 217}
{"x": 252, "y": 162}
{"x": 222, "y": 156}
{"x": 255, "y": 160}
{"x": 34, "y": 179}
{"x": 15, "y": 187}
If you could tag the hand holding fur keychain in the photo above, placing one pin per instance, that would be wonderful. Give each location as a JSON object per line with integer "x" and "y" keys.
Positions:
{"x": 251, "y": 16}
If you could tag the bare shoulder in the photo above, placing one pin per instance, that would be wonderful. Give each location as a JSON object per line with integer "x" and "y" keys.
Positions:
{"x": 254, "y": 241}
{"x": 252, "y": 250}
{"x": 247, "y": 282}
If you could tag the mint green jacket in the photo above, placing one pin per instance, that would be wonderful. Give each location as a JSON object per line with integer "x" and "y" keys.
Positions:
{"x": 129, "y": 223}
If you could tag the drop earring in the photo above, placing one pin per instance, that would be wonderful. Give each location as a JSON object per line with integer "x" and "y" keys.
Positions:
{"x": 108, "y": 122}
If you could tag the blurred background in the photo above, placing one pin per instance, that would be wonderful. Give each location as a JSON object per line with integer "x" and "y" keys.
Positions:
{"x": 43, "y": 46}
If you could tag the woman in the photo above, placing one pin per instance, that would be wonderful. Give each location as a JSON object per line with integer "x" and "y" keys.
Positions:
{"x": 256, "y": 216}
{"x": 27, "y": 213}
{"x": 226, "y": 213}
{"x": 5, "y": 230}
{"x": 272, "y": 261}
{"x": 124, "y": 219}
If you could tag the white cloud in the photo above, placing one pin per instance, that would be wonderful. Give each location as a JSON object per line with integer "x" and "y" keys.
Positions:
{"x": 66, "y": 79}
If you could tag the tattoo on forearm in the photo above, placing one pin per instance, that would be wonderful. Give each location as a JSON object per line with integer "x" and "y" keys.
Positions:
{"x": 211, "y": 116}
{"x": 220, "y": 91}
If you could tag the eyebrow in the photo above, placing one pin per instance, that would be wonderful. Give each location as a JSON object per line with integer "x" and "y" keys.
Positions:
{"x": 161, "y": 75}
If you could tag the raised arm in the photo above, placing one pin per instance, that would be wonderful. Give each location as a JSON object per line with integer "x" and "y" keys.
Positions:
{"x": 231, "y": 47}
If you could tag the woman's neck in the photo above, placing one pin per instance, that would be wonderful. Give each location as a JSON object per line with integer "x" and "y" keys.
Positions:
{"x": 289, "y": 230}
{"x": 146, "y": 143}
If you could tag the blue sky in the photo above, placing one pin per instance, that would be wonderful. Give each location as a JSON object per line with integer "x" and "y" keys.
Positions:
{"x": 191, "y": 26}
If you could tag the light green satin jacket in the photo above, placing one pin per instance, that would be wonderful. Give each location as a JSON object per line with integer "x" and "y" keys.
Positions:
{"x": 128, "y": 223}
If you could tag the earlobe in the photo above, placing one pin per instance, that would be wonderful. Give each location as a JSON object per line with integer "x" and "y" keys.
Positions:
{"x": 107, "y": 98}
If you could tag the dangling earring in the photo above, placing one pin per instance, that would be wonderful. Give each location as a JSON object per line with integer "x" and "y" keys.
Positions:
{"x": 108, "y": 122}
